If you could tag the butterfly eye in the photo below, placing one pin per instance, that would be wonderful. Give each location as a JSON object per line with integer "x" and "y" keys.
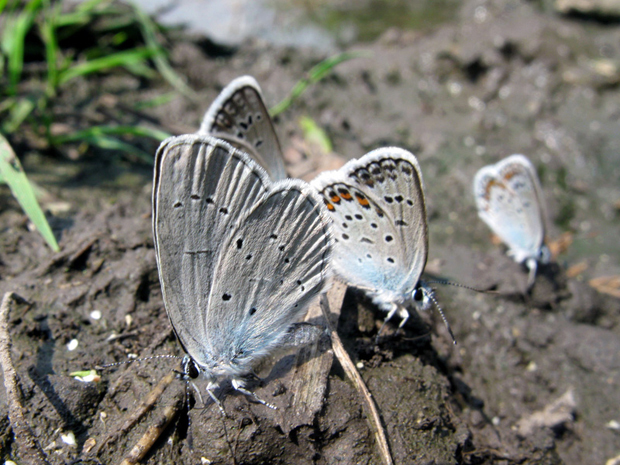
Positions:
{"x": 418, "y": 295}
{"x": 192, "y": 370}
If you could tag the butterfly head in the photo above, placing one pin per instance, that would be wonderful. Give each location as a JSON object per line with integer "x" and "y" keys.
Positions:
{"x": 544, "y": 255}
{"x": 190, "y": 367}
{"x": 422, "y": 297}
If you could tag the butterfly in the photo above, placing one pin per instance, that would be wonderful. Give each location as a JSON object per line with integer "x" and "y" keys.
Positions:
{"x": 239, "y": 257}
{"x": 240, "y": 117}
{"x": 378, "y": 211}
{"x": 509, "y": 200}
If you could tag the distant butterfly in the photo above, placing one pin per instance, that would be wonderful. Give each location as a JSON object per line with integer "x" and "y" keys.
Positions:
{"x": 379, "y": 222}
{"x": 509, "y": 200}
{"x": 239, "y": 257}
{"x": 240, "y": 117}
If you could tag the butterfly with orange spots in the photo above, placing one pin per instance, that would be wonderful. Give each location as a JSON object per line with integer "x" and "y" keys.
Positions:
{"x": 379, "y": 224}
{"x": 510, "y": 202}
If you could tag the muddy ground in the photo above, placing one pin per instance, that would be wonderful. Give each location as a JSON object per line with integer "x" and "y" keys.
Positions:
{"x": 534, "y": 379}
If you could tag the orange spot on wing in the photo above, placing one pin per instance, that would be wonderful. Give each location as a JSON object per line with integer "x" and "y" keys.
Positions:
{"x": 510, "y": 174}
{"x": 335, "y": 199}
{"x": 346, "y": 195}
{"x": 492, "y": 183}
{"x": 363, "y": 201}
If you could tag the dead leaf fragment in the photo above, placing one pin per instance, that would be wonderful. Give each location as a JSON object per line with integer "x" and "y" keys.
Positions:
{"x": 607, "y": 285}
{"x": 556, "y": 413}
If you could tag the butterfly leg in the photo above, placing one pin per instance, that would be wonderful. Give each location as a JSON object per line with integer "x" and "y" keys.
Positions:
{"x": 210, "y": 388}
{"x": 404, "y": 316}
{"x": 531, "y": 265}
{"x": 394, "y": 309}
{"x": 239, "y": 385}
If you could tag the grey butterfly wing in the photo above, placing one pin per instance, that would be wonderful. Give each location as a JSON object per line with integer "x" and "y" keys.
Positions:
{"x": 271, "y": 265}
{"x": 202, "y": 187}
{"x": 379, "y": 220}
{"x": 509, "y": 200}
{"x": 239, "y": 116}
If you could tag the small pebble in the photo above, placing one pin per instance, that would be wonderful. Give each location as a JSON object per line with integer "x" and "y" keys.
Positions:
{"x": 613, "y": 424}
{"x": 68, "y": 438}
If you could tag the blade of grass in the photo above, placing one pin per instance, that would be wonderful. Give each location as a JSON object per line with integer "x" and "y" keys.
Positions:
{"x": 14, "y": 39}
{"x": 48, "y": 35}
{"x": 315, "y": 135}
{"x": 155, "y": 101}
{"x": 17, "y": 114}
{"x": 126, "y": 58}
{"x": 141, "y": 69}
{"x": 116, "y": 145}
{"x": 136, "y": 131}
{"x": 2, "y": 7}
{"x": 12, "y": 172}
{"x": 82, "y": 13}
{"x": 112, "y": 143}
{"x": 159, "y": 56}
{"x": 314, "y": 75}
{"x": 100, "y": 136}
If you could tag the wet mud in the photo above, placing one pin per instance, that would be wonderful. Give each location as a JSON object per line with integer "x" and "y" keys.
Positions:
{"x": 535, "y": 376}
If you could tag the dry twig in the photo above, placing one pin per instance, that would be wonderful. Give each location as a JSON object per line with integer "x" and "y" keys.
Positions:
{"x": 144, "y": 407}
{"x": 28, "y": 448}
{"x": 372, "y": 413}
{"x": 148, "y": 439}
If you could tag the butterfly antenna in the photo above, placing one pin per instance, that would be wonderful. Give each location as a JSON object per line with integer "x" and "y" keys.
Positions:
{"x": 109, "y": 365}
{"x": 443, "y": 317}
{"x": 190, "y": 438}
{"x": 450, "y": 283}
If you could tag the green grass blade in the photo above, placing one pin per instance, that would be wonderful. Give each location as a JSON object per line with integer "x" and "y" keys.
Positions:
{"x": 159, "y": 55}
{"x": 126, "y": 58}
{"x": 155, "y": 101}
{"x": 141, "y": 69}
{"x": 112, "y": 143}
{"x": 101, "y": 136}
{"x": 48, "y": 35}
{"x": 315, "y": 135}
{"x": 82, "y": 13}
{"x": 93, "y": 131}
{"x": 14, "y": 39}
{"x": 314, "y": 75}
{"x": 12, "y": 172}
{"x": 17, "y": 114}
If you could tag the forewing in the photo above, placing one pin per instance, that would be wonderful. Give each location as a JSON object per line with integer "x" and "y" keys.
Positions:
{"x": 520, "y": 175}
{"x": 202, "y": 187}
{"x": 379, "y": 220}
{"x": 239, "y": 116}
{"x": 272, "y": 264}
{"x": 509, "y": 201}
